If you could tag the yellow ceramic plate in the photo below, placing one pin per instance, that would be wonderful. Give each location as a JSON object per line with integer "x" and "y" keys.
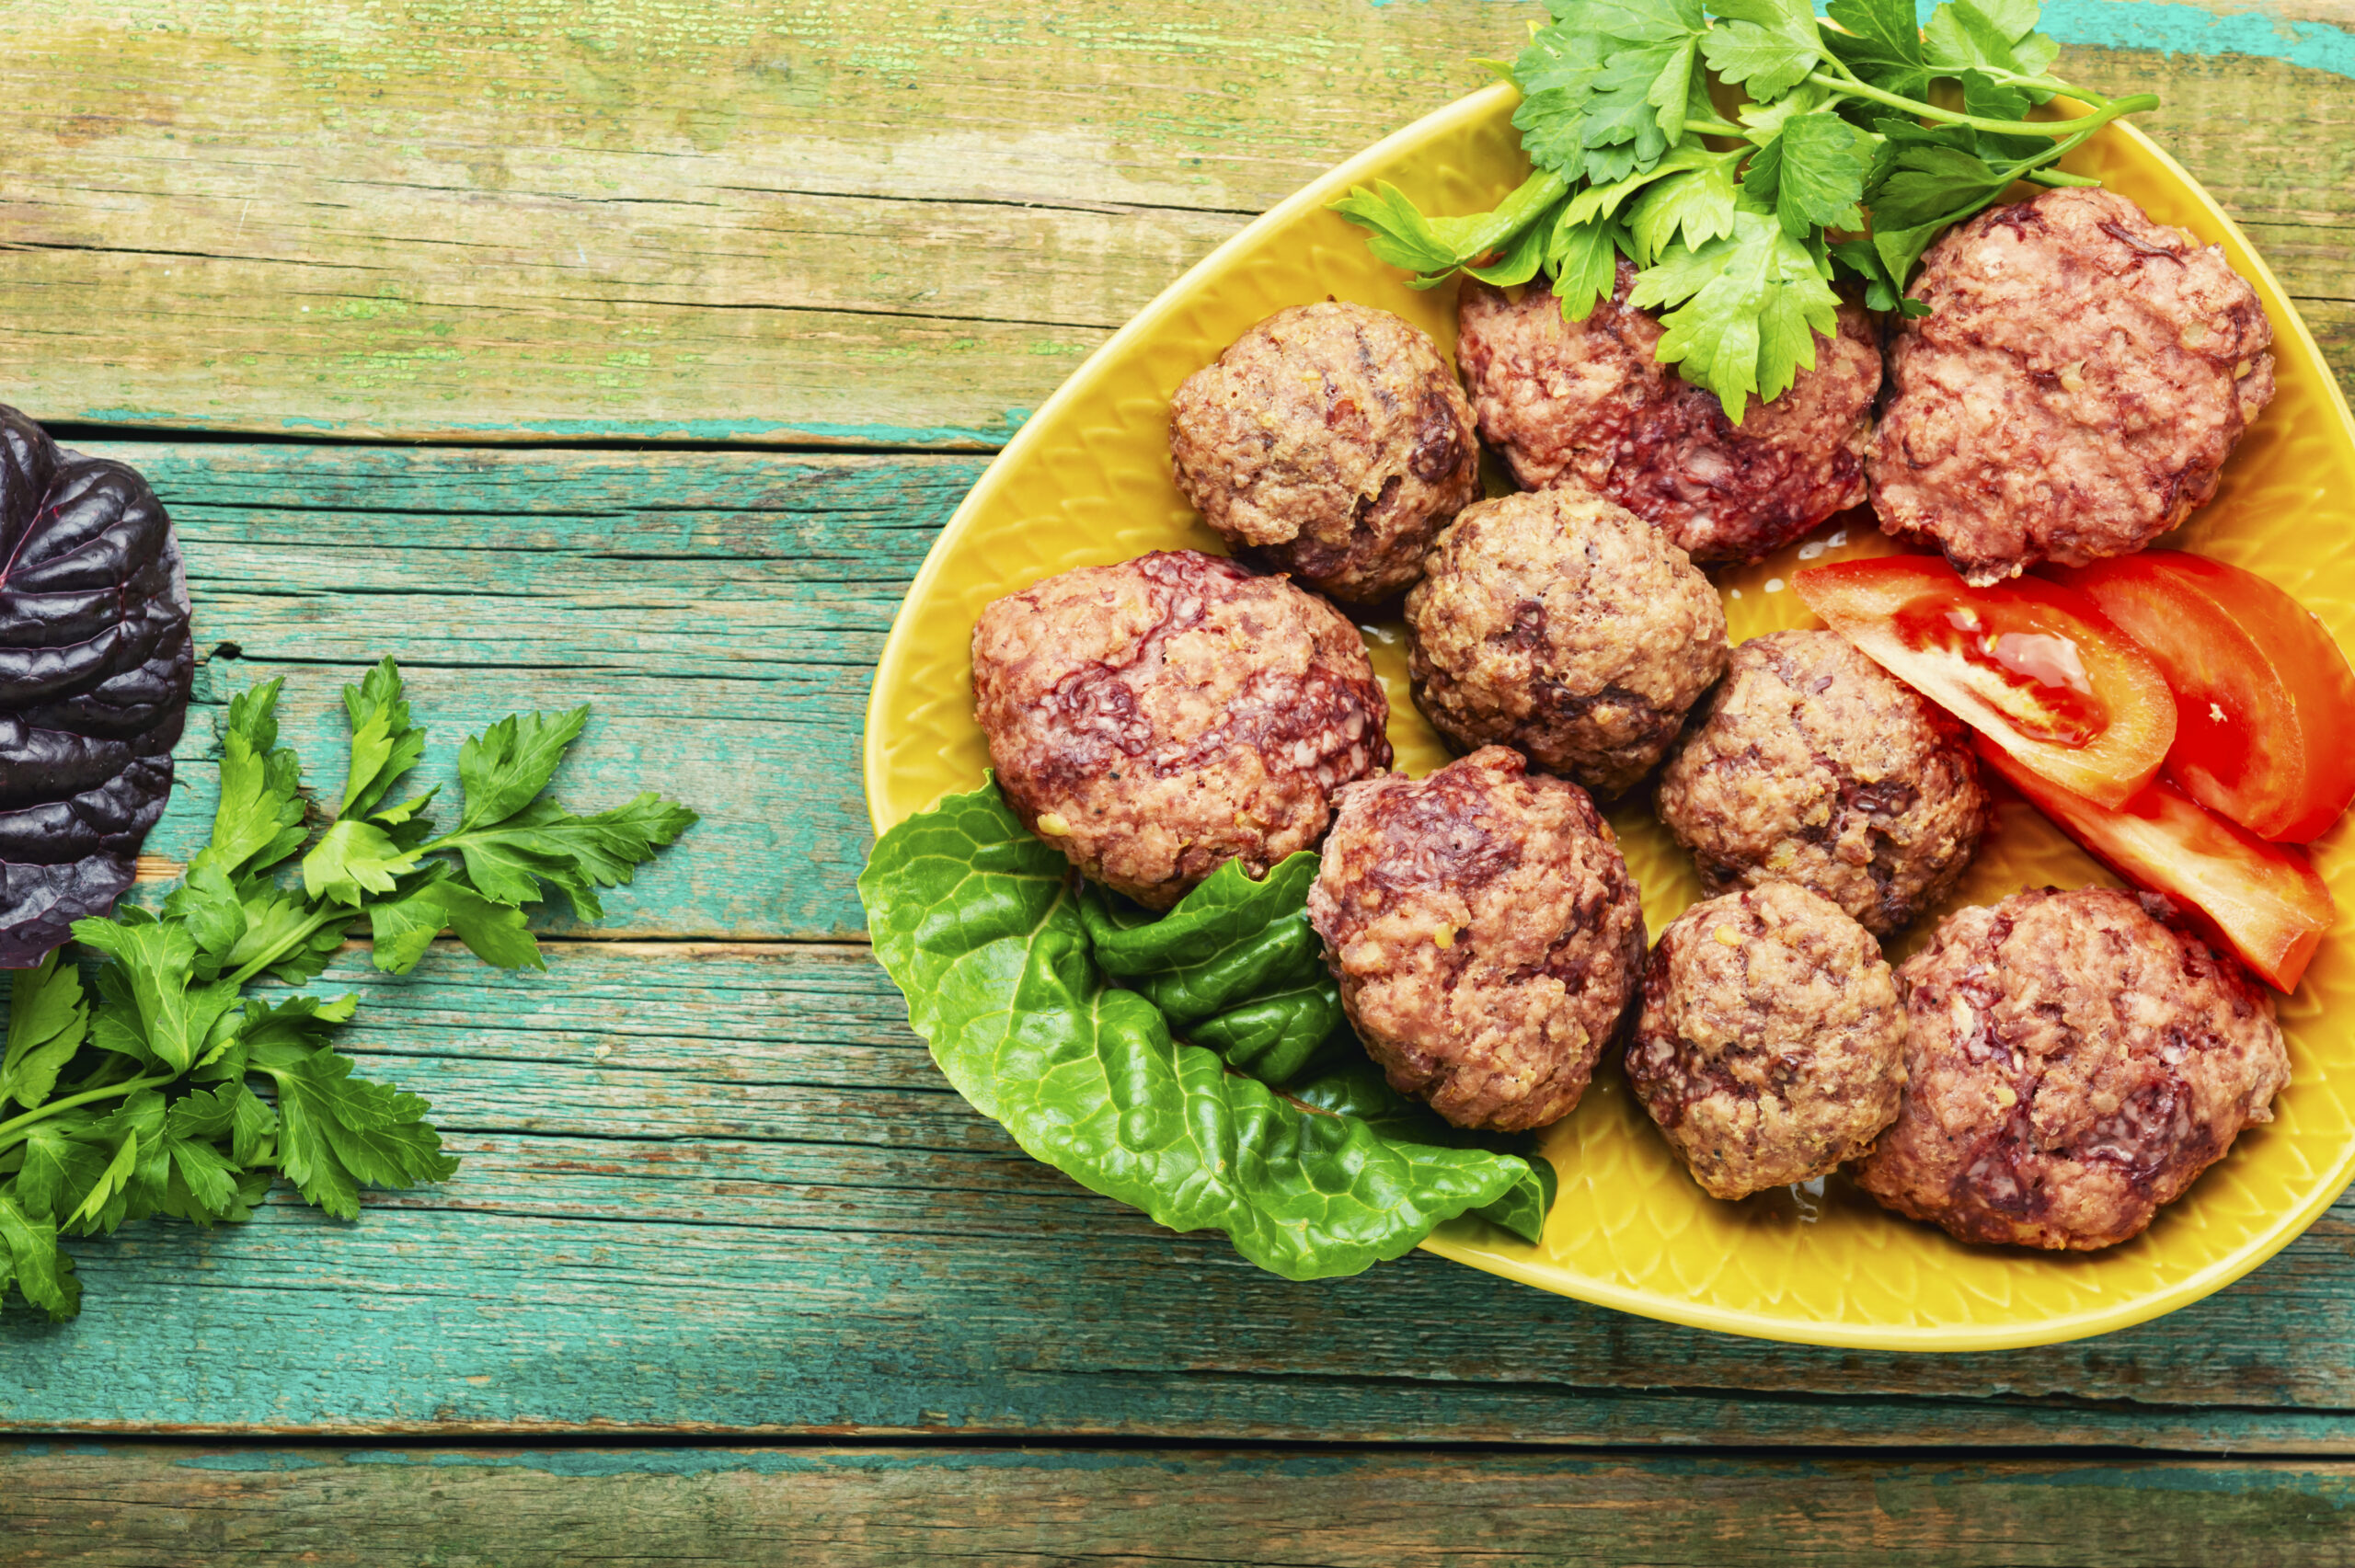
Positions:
{"x": 1087, "y": 480}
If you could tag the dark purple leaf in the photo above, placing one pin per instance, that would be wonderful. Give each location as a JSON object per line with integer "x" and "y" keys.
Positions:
{"x": 94, "y": 665}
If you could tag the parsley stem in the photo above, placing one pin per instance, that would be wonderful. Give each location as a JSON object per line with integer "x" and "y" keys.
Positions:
{"x": 2108, "y": 111}
{"x": 16, "y": 1129}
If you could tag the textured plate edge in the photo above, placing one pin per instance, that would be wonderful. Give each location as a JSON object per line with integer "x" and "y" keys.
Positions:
{"x": 1550, "y": 1277}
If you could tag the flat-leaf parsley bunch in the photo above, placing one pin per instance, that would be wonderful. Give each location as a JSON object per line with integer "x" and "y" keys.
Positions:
{"x": 1741, "y": 227}
{"x": 168, "y": 1091}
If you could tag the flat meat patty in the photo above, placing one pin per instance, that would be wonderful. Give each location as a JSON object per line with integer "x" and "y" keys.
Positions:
{"x": 1585, "y": 403}
{"x": 1486, "y": 934}
{"x": 1812, "y": 764}
{"x": 2071, "y": 1064}
{"x": 1772, "y": 1043}
{"x": 1568, "y": 627}
{"x": 1157, "y": 719}
{"x": 2075, "y": 391}
{"x": 1333, "y": 440}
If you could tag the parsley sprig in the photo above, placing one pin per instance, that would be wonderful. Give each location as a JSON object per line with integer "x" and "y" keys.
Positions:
{"x": 1839, "y": 166}
{"x": 166, "y": 1090}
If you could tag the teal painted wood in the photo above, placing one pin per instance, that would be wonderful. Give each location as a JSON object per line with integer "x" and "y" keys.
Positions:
{"x": 721, "y": 1188}
{"x": 161, "y": 1507}
{"x": 721, "y": 610}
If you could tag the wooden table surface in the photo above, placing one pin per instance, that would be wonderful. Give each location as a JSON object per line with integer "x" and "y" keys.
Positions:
{"x": 633, "y": 353}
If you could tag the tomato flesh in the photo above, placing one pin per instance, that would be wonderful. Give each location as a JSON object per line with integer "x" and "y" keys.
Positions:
{"x": 2263, "y": 902}
{"x": 2264, "y": 698}
{"x": 2032, "y": 666}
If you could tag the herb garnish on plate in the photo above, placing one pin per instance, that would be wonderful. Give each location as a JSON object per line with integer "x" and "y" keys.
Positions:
{"x": 1826, "y": 173}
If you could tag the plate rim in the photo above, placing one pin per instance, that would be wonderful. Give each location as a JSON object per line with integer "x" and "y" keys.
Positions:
{"x": 1449, "y": 1241}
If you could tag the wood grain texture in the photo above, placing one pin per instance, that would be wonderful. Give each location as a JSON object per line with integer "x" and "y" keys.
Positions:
{"x": 720, "y": 1188}
{"x": 745, "y": 220}
{"x": 162, "y": 1508}
{"x": 722, "y": 611}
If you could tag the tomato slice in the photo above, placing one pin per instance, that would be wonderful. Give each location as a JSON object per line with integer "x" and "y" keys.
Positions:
{"x": 2030, "y": 665}
{"x": 2261, "y": 901}
{"x": 2265, "y": 701}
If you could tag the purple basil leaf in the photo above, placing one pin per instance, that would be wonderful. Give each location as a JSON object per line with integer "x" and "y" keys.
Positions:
{"x": 95, "y": 665}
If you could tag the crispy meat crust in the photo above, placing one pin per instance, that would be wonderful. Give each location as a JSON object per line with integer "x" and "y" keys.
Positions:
{"x": 2073, "y": 394}
{"x": 1771, "y": 1047}
{"x": 2071, "y": 1065}
{"x": 1331, "y": 438}
{"x": 1159, "y": 718}
{"x": 1566, "y": 626}
{"x": 1584, "y": 402}
{"x": 1812, "y": 764}
{"x": 1486, "y": 934}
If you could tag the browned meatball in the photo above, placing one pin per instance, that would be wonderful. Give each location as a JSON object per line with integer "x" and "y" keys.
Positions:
{"x": 2071, "y": 1064}
{"x": 1333, "y": 440}
{"x": 1585, "y": 403}
{"x": 2073, "y": 393}
{"x": 1771, "y": 1047}
{"x": 1567, "y": 627}
{"x": 1812, "y": 764}
{"x": 1154, "y": 719}
{"x": 1486, "y": 934}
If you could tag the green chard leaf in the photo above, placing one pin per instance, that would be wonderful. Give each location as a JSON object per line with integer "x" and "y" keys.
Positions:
{"x": 1234, "y": 966}
{"x": 1752, "y": 303}
{"x": 976, "y": 922}
{"x": 47, "y": 1022}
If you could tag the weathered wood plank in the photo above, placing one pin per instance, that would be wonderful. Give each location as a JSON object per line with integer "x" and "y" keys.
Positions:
{"x": 720, "y": 1188}
{"x": 721, "y": 610}
{"x": 161, "y": 1507}
{"x": 747, "y": 220}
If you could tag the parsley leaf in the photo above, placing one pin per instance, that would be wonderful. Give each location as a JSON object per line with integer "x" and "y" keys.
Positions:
{"x": 1585, "y": 259}
{"x": 1768, "y": 45}
{"x": 47, "y": 1019}
{"x": 139, "y": 1097}
{"x": 384, "y": 745}
{"x": 1752, "y": 302}
{"x": 259, "y": 820}
{"x": 1813, "y": 175}
{"x": 1698, "y": 200}
{"x": 1882, "y": 43}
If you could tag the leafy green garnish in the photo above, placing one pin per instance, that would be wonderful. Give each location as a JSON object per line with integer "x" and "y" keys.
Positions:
{"x": 1616, "y": 117}
{"x": 1002, "y": 963}
{"x": 176, "y": 1092}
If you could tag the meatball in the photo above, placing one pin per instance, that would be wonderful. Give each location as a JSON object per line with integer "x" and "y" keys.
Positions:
{"x": 1812, "y": 764}
{"x": 1567, "y": 627}
{"x": 2073, "y": 394}
{"x": 2071, "y": 1064}
{"x": 1585, "y": 403}
{"x": 1331, "y": 438}
{"x": 1486, "y": 934}
{"x": 1154, "y": 719}
{"x": 1771, "y": 1047}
